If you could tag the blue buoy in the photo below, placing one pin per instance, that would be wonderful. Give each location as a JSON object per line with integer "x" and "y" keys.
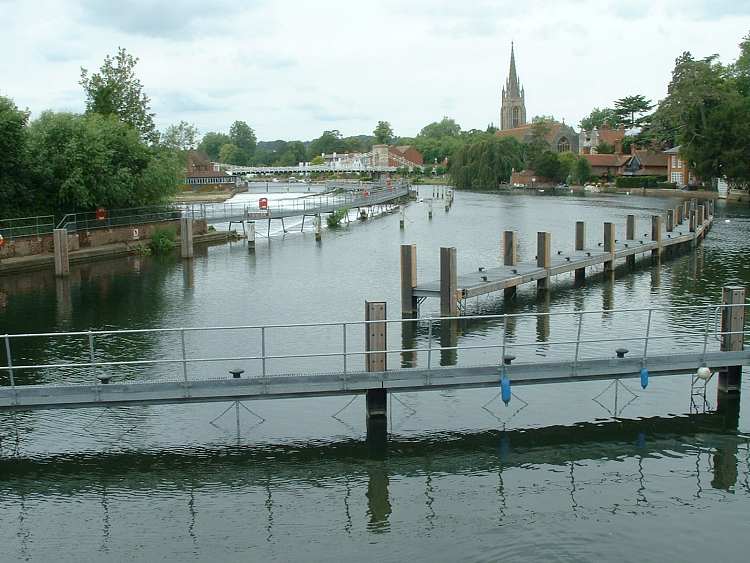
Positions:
{"x": 644, "y": 378}
{"x": 505, "y": 388}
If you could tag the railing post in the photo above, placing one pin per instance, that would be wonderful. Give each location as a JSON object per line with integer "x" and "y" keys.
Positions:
{"x": 510, "y": 257}
{"x": 10, "y": 362}
{"x": 543, "y": 257}
{"x": 732, "y": 336}
{"x": 376, "y": 340}
{"x": 580, "y": 273}
{"x": 408, "y": 279}
{"x": 184, "y": 356}
{"x": 448, "y": 282}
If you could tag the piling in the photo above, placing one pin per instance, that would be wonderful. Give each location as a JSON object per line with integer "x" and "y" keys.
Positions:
{"x": 580, "y": 273}
{"x": 408, "y": 279}
{"x": 429, "y": 209}
{"x": 251, "y": 236}
{"x": 670, "y": 220}
{"x": 686, "y": 210}
{"x": 401, "y": 217}
{"x": 630, "y": 236}
{"x": 609, "y": 246}
{"x": 732, "y": 326}
{"x": 448, "y": 282}
{"x": 186, "y": 237}
{"x": 375, "y": 341}
{"x": 701, "y": 218}
{"x": 543, "y": 256}
{"x": 318, "y": 227}
{"x": 62, "y": 260}
{"x": 510, "y": 257}
{"x": 656, "y": 235}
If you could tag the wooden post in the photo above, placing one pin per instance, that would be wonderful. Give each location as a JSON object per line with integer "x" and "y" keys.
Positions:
{"x": 656, "y": 234}
{"x": 62, "y": 260}
{"x": 510, "y": 257}
{"x": 317, "y": 225}
{"x": 251, "y": 236}
{"x": 732, "y": 321}
{"x": 408, "y": 279}
{"x": 375, "y": 341}
{"x": 186, "y": 237}
{"x": 580, "y": 273}
{"x": 401, "y": 217}
{"x": 609, "y": 246}
{"x": 670, "y": 220}
{"x": 543, "y": 256}
{"x": 701, "y": 219}
{"x": 448, "y": 282}
{"x": 686, "y": 210}
{"x": 630, "y": 236}
{"x": 429, "y": 209}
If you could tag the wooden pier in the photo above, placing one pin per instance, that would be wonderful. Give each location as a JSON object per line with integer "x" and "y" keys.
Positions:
{"x": 687, "y": 224}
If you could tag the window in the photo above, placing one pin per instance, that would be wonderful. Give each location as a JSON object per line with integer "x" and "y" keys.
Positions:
{"x": 516, "y": 117}
{"x": 563, "y": 145}
{"x": 677, "y": 178}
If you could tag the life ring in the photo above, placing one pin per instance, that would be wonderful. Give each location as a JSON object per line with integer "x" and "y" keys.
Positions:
{"x": 263, "y": 203}
{"x": 2, "y": 241}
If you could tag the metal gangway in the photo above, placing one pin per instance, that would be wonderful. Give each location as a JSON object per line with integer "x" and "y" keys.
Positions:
{"x": 237, "y": 363}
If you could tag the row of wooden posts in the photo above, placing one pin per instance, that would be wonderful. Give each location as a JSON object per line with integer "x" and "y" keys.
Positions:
{"x": 695, "y": 213}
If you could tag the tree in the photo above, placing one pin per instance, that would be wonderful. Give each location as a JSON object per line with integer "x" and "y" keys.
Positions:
{"x": 605, "y": 148}
{"x": 548, "y": 165}
{"x": 115, "y": 90}
{"x": 384, "y": 133}
{"x": 243, "y": 136}
{"x": 627, "y": 108}
{"x": 232, "y": 154}
{"x": 582, "y": 171}
{"x": 485, "y": 163}
{"x": 82, "y": 162}
{"x": 180, "y": 137}
{"x": 15, "y": 196}
{"x": 211, "y": 144}
{"x": 294, "y": 153}
{"x": 600, "y": 117}
{"x": 318, "y": 160}
{"x": 328, "y": 142}
{"x": 446, "y": 127}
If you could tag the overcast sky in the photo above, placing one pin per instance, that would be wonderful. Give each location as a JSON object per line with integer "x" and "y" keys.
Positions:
{"x": 293, "y": 68}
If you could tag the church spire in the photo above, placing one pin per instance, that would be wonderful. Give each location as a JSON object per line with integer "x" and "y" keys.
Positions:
{"x": 513, "y": 106}
{"x": 514, "y": 86}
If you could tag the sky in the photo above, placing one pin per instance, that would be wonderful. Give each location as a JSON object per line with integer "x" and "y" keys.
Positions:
{"x": 293, "y": 68}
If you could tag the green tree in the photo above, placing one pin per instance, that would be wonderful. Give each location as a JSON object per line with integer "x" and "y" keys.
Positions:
{"x": 548, "y": 165}
{"x": 232, "y": 154}
{"x": 630, "y": 110}
{"x": 115, "y": 90}
{"x": 243, "y": 137}
{"x": 81, "y": 162}
{"x": 605, "y": 148}
{"x": 211, "y": 144}
{"x": 485, "y": 163}
{"x": 446, "y": 127}
{"x": 180, "y": 137}
{"x": 294, "y": 153}
{"x": 15, "y": 197}
{"x": 327, "y": 143}
{"x": 582, "y": 171}
{"x": 317, "y": 160}
{"x": 384, "y": 133}
{"x": 600, "y": 117}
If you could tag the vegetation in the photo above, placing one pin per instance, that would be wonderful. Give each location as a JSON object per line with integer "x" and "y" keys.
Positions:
{"x": 163, "y": 241}
{"x": 384, "y": 133}
{"x": 334, "y": 219}
{"x": 486, "y": 163}
{"x": 639, "y": 181}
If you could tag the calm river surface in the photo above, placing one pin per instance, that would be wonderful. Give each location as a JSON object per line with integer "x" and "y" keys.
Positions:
{"x": 559, "y": 479}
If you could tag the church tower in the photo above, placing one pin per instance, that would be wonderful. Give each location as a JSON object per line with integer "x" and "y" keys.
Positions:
{"x": 513, "y": 108}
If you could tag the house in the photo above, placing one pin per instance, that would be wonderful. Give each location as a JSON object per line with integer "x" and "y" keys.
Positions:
{"x": 201, "y": 173}
{"x": 399, "y": 156}
{"x": 677, "y": 169}
{"x": 588, "y": 141}
{"x": 646, "y": 163}
{"x": 609, "y": 165}
{"x": 559, "y": 136}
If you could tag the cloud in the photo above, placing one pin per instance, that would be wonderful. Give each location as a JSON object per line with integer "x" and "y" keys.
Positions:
{"x": 162, "y": 18}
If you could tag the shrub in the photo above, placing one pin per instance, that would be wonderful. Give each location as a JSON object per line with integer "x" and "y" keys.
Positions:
{"x": 163, "y": 241}
{"x": 666, "y": 185}
{"x": 638, "y": 181}
{"x": 335, "y": 218}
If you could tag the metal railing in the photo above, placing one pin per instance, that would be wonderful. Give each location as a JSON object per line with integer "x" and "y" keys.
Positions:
{"x": 111, "y": 218}
{"x": 20, "y": 227}
{"x": 255, "y": 348}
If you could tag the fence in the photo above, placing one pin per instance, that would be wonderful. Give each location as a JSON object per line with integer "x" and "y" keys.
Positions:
{"x": 26, "y": 226}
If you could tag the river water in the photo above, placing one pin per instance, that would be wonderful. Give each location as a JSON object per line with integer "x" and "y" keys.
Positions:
{"x": 554, "y": 475}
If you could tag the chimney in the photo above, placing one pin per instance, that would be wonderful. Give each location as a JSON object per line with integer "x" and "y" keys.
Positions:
{"x": 632, "y": 148}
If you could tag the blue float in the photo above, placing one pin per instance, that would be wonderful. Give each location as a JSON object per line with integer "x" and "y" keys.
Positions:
{"x": 505, "y": 388}
{"x": 644, "y": 378}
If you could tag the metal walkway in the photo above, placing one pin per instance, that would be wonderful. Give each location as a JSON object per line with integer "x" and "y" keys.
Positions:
{"x": 187, "y": 365}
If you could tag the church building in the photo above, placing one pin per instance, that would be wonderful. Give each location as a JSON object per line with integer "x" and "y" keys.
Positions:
{"x": 559, "y": 136}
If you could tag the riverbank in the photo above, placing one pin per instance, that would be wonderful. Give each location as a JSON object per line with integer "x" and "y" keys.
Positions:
{"x": 116, "y": 250}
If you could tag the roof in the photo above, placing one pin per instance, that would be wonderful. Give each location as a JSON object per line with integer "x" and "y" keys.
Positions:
{"x": 611, "y": 136}
{"x": 673, "y": 150}
{"x": 607, "y": 160}
{"x": 201, "y": 172}
{"x": 650, "y": 158}
{"x": 524, "y": 131}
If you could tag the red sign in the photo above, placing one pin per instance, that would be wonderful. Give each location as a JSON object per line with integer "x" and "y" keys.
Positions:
{"x": 263, "y": 203}
{"x": 101, "y": 214}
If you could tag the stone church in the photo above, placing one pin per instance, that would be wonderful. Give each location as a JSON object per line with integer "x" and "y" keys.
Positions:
{"x": 559, "y": 136}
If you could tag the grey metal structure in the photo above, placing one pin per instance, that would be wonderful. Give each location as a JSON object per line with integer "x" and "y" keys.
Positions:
{"x": 105, "y": 369}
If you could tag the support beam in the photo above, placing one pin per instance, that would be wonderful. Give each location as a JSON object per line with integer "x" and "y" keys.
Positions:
{"x": 543, "y": 256}
{"x": 186, "y": 237}
{"x": 609, "y": 246}
{"x": 630, "y": 236}
{"x": 408, "y": 279}
{"x": 448, "y": 282}
{"x": 510, "y": 257}
{"x": 375, "y": 341}
{"x": 251, "y": 236}
{"x": 580, "y": 273}
{"x": 701, "y": 218}
{"x": 732, "y": 321}
{"x": 62, "y": 260}
{"x": 670, "y": 220}
{"x": 656, "y": 234}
